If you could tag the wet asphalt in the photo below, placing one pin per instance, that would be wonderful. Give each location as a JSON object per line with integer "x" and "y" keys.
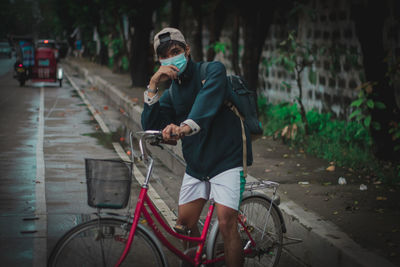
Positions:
{"x": 29, "y": 227}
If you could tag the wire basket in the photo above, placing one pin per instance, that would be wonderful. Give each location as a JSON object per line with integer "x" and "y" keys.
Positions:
{"x": 108, "y": 182}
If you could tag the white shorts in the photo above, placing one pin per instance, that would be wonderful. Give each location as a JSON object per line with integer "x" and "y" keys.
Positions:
{"x": 225, "y": 188}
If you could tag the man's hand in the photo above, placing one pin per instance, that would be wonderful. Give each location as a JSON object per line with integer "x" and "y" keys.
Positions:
{"x": 164, "y": 73}
{"x": 175, "y": 132}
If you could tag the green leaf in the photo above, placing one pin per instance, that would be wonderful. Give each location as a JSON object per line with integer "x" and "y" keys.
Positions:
{"x": 355, "y": 113}
{"x": 380, "y": 105}
{"x": 357, "y": 103}
{"x": 312, "y": 77}
{"x": 376, "y": 125}
{"x": 370, "y": 103}
{"x": 286, "y": 84}
{"x": 367, "y": 121}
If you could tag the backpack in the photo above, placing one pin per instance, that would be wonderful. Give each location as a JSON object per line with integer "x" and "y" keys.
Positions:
{"x": 242, "y": 100}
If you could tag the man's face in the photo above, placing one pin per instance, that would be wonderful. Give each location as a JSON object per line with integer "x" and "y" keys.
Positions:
{"x": 173, "y": 51}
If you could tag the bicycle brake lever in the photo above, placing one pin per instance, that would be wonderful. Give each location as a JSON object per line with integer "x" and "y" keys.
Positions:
{"x": 156, "y": 143}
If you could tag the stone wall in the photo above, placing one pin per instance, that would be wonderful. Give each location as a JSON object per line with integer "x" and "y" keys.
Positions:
{"x": 332, "y": 28}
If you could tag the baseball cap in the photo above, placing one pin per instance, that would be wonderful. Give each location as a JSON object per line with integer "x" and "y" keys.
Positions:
{"x": 168, "y": 34}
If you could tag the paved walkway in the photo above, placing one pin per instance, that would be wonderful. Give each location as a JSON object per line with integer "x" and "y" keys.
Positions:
{"x": 361, "y": 228}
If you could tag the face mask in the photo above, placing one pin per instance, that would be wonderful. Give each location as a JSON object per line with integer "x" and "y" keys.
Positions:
{"x": 179, "y": 61}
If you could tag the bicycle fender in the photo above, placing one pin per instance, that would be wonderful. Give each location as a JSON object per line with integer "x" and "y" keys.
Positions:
{"x": 156, "y": 242}
{"x": 274, "y": 205}
{"x": 210, "y": 239}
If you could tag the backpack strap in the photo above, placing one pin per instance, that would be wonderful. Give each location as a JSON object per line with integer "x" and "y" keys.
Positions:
{"x": 244, "y": 139}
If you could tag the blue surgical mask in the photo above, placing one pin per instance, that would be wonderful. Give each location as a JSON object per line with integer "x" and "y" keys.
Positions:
{"x": 179, "y": 61}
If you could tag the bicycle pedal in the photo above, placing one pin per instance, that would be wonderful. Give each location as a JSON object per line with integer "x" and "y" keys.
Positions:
{"x": 181, "y": 229}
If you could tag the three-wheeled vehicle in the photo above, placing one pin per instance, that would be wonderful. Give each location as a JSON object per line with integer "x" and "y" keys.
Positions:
{"x": 46, "y": 68}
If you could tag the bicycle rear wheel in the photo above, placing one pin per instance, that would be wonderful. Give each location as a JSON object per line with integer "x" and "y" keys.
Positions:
{"x": 101, "y": 242}
{"x": 254, "y": 210}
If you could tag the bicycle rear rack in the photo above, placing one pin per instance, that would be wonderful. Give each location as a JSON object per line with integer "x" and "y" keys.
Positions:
{"x": 251, "y": 186}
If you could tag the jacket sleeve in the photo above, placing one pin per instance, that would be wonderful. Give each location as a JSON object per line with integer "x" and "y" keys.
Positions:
{"x": 211, "y": 96}
{"x": 159, "y": 114}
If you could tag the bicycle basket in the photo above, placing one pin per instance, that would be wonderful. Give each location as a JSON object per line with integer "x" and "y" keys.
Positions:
{"x": 108, "y": 182}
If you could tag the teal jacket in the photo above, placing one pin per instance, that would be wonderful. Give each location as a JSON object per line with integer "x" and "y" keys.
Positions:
{"x": 217, "y": 147}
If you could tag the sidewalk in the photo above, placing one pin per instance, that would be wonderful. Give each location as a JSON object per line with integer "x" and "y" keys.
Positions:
{"x": 340, "y": 225}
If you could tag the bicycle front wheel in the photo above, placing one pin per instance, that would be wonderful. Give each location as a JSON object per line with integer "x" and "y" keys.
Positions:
{"x": 266, "y": 234}
{"x": 100, "y": 242}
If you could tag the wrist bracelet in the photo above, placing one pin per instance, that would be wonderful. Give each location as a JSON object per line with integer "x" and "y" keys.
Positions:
{"x": 154, "y": 91}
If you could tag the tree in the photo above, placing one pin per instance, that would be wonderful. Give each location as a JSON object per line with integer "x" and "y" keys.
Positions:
{"x": 256, "y": 23}
{"x": 141, "y": 14}
{"x": 369, "y": 18}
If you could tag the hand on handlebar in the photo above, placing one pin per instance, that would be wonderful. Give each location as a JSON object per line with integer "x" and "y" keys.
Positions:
{"x": 173, "y": 132}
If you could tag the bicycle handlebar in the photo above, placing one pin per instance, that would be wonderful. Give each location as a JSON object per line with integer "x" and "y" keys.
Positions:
{"x": 153, "y": 137}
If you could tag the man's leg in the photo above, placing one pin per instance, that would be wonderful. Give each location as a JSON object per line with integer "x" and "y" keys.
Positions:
{"x": 188, "y": 215}
{"x": 227, "y": 219}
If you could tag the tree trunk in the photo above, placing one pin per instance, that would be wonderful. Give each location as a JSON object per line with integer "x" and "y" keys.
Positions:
{"x": 141, "y": 56}
{"x": 216, "y": 23}
{"x": 369, "y": 21}
{"x": 235, "y": 45}
{"x": 175, "y": 13}
{"x": 197, "y": 46}
{"x": 256, "y": 23}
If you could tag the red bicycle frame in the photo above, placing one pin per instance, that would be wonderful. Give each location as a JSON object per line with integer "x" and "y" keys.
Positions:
{"x": 141, "y": 209}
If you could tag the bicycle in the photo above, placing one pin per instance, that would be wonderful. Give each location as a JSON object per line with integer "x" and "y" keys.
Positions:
{"x": 110, "y": 240}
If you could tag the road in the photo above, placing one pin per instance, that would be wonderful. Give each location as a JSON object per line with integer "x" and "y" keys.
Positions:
{"x": 46, "y": 133}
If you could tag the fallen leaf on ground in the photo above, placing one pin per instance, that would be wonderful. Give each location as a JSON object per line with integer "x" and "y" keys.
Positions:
{"x": 285, "y": 155}
{"x": 335, "y": 213}
{"x": 381, "y": 198}
{"x": 380, "y": 210}
{"x": 331, "y": 168}
{"x": 105, "y": 107}
{"x": 304, "y": 183}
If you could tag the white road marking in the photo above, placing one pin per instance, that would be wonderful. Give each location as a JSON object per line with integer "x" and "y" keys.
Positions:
{"x": 161, "y": 206}
{"x": 40, "y": 238}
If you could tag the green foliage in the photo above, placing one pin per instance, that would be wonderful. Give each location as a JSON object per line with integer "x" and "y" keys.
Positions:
{"x": 125, "y": 63}
{"x": 276, "y": 117}
{"x": 347, "y": 143}
{"x": 219, "y": 47}
{"x": 364, "y": 105}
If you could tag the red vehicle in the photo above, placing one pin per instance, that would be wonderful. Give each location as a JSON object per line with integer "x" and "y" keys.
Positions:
{"x": 45, "y": 68}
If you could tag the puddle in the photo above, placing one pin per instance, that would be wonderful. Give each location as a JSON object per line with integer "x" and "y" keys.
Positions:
{"x": 121, "y": 136}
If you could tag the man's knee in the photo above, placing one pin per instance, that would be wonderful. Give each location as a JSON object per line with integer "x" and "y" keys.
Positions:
{"x": 227, "y": 220}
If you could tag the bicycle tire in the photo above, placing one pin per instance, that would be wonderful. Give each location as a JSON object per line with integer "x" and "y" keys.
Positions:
{"x": 100, "y": 242}
{"x": 268, "y": 250}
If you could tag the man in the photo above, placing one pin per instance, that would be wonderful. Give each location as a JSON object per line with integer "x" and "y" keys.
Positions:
{"x": 193, "y": 110}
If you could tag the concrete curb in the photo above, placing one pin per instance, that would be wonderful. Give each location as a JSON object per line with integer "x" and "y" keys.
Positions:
{"x": 323, "y": 243}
